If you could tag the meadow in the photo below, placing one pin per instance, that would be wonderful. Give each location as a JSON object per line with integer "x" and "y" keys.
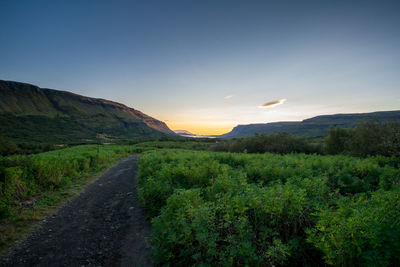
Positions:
{"x": 34, "y": 186}
{"x": 223, "y": 208}
{"x": 214, "y": 208}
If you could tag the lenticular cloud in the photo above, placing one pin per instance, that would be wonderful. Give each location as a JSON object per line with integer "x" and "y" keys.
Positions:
{"x": 273, "y": 103}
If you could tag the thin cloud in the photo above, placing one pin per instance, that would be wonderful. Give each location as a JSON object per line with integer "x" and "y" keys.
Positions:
{"x": 228, "y": 96}
{"x": 273, "y": 103}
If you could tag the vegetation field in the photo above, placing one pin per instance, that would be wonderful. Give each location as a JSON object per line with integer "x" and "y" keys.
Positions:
{"x": 218, "y": 208}
{"x": 185, "y": 144}
{"x": 213, "y": 208}
{"x": 31, "y": 186}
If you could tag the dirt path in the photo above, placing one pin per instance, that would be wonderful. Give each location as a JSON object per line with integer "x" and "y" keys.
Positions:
{"x": 103, "y": 226}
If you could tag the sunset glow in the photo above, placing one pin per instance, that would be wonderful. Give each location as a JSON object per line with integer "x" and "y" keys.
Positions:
{"x": 202, "y": 128}
{"x": 208, "y": 66}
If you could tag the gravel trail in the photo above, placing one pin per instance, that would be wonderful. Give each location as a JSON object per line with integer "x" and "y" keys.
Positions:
{"x": 103, "y": 226}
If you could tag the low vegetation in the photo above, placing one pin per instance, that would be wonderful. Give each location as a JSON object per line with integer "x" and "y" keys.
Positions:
{"x": 31, "y": 186}
{"x": 281, "y": 143}
{"x": 185, "y": 144}
{"x": 23, "y": 177}
{"x": 366, "y": 139}
{"x": 279, "y": 200}
{"x": 212, "y": 208}
{"x": 7, "y": 147}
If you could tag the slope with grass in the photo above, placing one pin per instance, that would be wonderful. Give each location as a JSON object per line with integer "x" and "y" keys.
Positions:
{"x": 30, "y": 113}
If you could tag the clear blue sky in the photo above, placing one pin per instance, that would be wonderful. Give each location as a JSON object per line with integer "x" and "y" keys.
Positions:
{"x": 206, "y": 66}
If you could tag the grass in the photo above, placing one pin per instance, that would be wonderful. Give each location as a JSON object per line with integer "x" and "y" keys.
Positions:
{"x": 51, "y": 179}
{"x": 16, "y": 229}
{"x": 149, "y": 145}
{"x": 27, "y": 211}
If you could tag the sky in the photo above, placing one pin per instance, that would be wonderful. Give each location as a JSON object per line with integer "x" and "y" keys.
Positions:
{"x": 207, "y": 66}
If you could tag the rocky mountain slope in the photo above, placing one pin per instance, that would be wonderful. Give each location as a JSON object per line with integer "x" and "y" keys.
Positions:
{"x": 30, "y": 113}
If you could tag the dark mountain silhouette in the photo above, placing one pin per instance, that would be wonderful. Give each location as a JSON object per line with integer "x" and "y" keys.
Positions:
{"x": 314, "y": 127}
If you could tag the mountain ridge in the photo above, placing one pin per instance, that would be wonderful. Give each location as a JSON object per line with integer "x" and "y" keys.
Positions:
{"x": 317, "y": 126}
{"x": 23, "y": 103}
{"x": 183, "y": 132}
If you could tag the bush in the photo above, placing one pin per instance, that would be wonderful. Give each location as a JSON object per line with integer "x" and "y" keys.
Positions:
{"x": 364, "y": 231}
{"x": 7, "y": 147}
{"x": 245, "y": 227}
{"x": 23, "y": 176}
{"x": 366, "y": 139}
{"x": 336, "y": 141}
{"x": 211, "y": 208}
{"x": 281, "y": 143}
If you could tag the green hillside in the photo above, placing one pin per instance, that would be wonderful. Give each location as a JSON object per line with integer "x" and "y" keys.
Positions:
{"x": 30, "y": 113}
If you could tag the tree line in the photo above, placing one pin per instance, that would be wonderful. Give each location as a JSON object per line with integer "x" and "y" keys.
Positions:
{"x": 368, "y": 138}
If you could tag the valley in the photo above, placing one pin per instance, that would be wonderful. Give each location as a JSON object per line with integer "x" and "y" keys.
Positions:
{"x": 200, "y": 133}
{"x": 116, "y": 187}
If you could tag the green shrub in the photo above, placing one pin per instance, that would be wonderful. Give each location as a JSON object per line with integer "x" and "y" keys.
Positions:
{"x": 230, "y": 230}
{"x": 367, "y": 138}
{"x": 364, "y": 231}
{"x": 7, "y": 147}
{"x": 337, "y": 140}
{"x": 22, "y": 177}
{"x": 281, "y": 143}
{"x": 212, "y": 208}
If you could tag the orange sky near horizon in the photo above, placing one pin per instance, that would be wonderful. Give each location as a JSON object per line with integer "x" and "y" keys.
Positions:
{"x": 208, "y": 66}
{"x": 202, "y": 129}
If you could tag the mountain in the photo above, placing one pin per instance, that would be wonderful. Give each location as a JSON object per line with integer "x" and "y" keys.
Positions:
{"x": 314, "y": 127}
{"x": 183, "y": 132}
{"x": 30, "y": 113}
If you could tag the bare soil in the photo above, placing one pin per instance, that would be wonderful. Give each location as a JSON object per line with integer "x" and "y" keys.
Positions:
{"x": 103, "y": 226}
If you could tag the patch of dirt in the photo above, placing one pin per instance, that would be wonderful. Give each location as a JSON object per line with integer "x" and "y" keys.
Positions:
{"x": 103, "y": 226}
